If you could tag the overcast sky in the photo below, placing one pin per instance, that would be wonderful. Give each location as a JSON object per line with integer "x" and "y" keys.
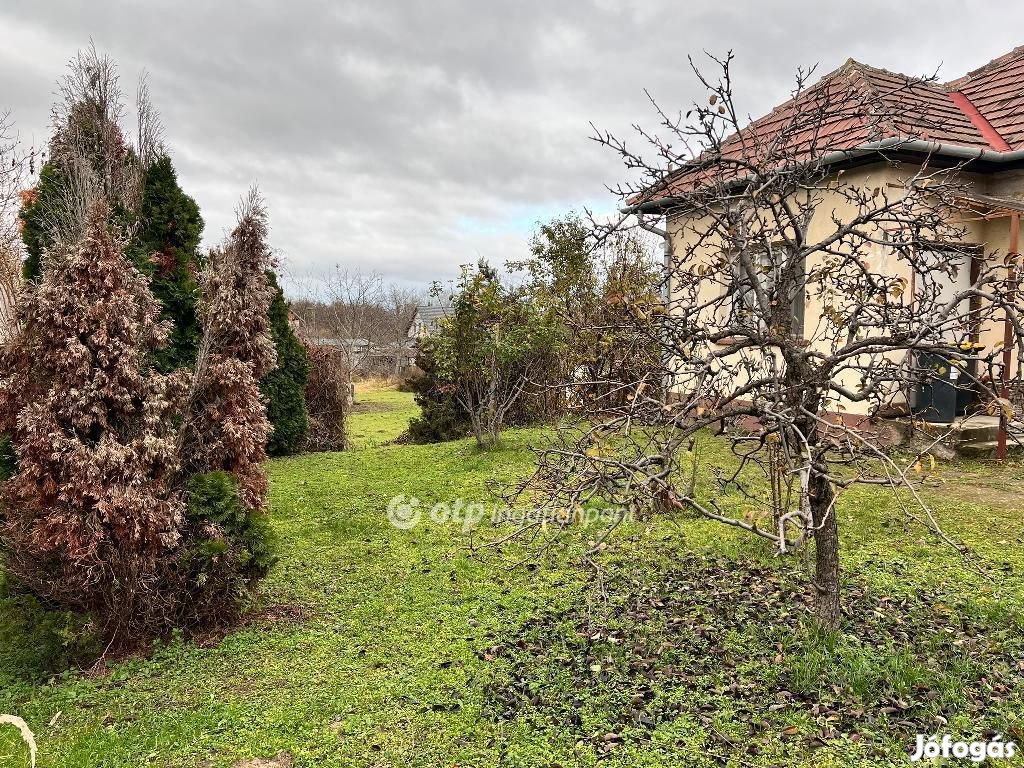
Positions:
{"x": 407, "y": 138}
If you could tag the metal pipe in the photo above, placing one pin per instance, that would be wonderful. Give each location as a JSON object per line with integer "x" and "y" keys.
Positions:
{"x": 1011, "y": 275}
{"x": 667, "y": 241}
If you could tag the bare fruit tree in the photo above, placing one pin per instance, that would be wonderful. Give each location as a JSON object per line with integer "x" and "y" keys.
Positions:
{"x": 400, "y": 303}
{"x": 818, "y": 269}
{"x": 352, "y": 314}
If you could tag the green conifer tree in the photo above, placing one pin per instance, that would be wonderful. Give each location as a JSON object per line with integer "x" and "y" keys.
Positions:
{"x": 284, "y": 387}
{"x": 166, "y": 249}
{"x": 34, "y": 230}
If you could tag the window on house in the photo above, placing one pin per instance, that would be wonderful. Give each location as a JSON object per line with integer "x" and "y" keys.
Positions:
{"x": 768, "y": 265}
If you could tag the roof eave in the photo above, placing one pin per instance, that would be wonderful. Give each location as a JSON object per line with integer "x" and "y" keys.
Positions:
{"x": 914, "y": 146}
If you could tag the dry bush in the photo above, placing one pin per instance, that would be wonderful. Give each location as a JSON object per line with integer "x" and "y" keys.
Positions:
{"x": 226, "y": 541}
{"x": 326, "y": 398}
{"x": 91, "y": 513}
{"x": 380, "y": 382}
{"x": 226, "y": 425}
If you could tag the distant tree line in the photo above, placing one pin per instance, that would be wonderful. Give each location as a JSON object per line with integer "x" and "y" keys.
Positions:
{"x": 364, "y": 318}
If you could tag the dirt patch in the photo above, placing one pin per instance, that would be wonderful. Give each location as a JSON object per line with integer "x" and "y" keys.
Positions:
{"x": 289, "y": 613}
{"x": 270, "y": 615}
{"x": 285, "y": 613}
{"x": 364, "y": 407}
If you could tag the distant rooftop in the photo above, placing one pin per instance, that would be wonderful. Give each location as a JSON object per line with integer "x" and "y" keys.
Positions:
{"x": 427, "y": 316}
{"x": 429, "y": 313}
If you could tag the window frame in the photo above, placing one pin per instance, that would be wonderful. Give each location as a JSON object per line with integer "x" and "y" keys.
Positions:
{"x": 742, "y": 300}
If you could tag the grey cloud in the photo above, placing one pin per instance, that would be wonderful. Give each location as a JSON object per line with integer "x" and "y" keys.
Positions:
{"x": 377, "y": 130}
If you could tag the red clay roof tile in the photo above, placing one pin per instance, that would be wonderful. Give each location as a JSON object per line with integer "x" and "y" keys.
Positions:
{"x": 859, "y": 103}
{"x": 997, "y": 92}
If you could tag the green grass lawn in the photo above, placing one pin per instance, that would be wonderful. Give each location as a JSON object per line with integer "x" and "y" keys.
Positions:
{"x": 374, "y": 646}
{"x": 379, "y": 415}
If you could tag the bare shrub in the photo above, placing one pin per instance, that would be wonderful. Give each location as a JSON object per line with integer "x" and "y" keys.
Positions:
{"x": 327, "y": 398}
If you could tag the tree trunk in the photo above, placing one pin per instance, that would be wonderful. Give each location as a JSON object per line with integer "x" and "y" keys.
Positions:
{"x": 820, "y": 499}
{"x": 826, "y": 552}
{"x": 399, "y": 355}
{"x": 494, "y": 430}
{"x": 492, "y": 422}
{"x": 478, "y": 429}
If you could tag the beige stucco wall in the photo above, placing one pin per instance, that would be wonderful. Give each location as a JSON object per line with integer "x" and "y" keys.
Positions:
{"x": 993, "y": 234}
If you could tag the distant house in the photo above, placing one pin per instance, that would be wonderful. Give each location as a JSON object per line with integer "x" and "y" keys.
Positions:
{"x": 356, "y": 351}
{"x": 425, "y": 321}
{"x": 398, "y": 357}
{"x": 367, "y": 358}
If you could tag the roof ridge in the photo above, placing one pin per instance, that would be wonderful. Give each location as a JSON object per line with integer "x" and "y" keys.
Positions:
{"x": 911, "y": 79}
{"x": 999, "y": 61}
{"x": 796, "y": 95}
{"x": 949, "y": 85}
{"x": 872, "y": 91}
{"x": 885, "y": 94}
{"x": 850, "y": 65}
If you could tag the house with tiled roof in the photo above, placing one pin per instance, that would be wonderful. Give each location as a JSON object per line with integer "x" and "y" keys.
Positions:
{"x": 977, "y": 118}
{"x": 875, "y": 129}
